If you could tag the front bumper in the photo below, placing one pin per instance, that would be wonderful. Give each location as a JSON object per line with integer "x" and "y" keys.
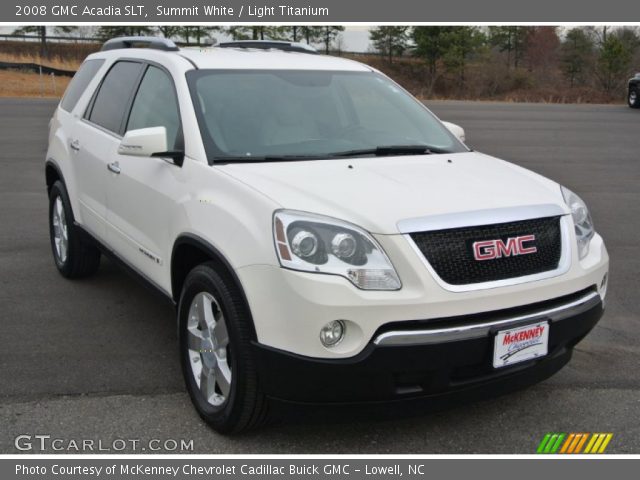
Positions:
{"x": 289, "y": 308}
{"x": 401, "y": 363}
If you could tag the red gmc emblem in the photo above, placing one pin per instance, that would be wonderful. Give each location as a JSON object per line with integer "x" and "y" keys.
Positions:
{"x": 490, "y": 249}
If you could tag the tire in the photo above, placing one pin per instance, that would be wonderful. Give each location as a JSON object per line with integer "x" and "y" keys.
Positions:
{"x": 634, "y": 97}
{"x": 74, "y": 256}
{"x": 215, "y": 334}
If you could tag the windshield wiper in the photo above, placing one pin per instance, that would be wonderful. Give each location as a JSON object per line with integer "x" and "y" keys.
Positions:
{"x": 381, "y": 151}
{"x": 265, "y": 158}
{"x": 387, "y": 150}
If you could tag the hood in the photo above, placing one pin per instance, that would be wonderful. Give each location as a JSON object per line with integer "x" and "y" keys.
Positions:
{"x": 377, "y": 193}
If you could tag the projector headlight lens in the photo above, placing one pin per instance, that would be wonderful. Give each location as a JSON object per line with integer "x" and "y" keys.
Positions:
{"x": 318, "y": 244}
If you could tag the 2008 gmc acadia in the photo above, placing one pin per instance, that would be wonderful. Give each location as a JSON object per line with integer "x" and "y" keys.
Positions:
{"x": 324, "y": 237}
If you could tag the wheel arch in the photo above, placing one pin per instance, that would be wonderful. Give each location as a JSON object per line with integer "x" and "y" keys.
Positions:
{"x": 52, "y": 174}
{"x": 189, "y": 251}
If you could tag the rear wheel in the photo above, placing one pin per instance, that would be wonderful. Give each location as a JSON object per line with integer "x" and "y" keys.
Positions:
{"x": 634, "y": 98}
{"x": 218, "y": 368}
{"x": 73, "y": 255}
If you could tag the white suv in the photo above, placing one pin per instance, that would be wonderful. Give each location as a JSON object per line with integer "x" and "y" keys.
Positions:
{"x": 324, "y": 237}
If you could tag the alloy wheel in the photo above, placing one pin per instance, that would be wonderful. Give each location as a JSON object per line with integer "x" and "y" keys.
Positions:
{"x": 208, "y": 344}
{"x": 60, "y": 230}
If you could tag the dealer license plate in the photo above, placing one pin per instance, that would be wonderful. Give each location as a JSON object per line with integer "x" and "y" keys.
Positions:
{"x": 521, "y": 344}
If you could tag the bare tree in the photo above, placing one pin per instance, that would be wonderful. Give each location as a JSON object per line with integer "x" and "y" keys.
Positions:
{"x": 329, "y": 33}
{"x": 169, "y": 31}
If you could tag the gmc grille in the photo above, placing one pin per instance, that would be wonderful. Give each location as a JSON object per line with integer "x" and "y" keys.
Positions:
{"x": 450, "y": 252}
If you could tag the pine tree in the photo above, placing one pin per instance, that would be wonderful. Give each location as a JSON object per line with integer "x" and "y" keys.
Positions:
{"x": 461, "y": 44}
{"x": 390, "y": 41}
{"x": 510, "y": 39}
{"x": 613, "y": 63}
{"x": 431, "y": 44}
{"x": 576, "y": 55}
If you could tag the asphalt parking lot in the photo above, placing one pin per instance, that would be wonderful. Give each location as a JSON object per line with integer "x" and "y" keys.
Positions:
{"x": 98, "y": 359}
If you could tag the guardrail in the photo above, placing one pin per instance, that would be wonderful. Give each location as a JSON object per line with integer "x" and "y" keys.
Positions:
{"x": 36, "y": 68}
{"x": 37, "y": 38}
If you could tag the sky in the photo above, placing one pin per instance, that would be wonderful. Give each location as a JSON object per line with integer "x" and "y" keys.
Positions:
{"x": 356, "y": 39}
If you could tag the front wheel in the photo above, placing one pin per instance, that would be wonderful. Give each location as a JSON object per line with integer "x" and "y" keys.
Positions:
{"x": 634, "y": 98}
{"x": 218, "y": 368}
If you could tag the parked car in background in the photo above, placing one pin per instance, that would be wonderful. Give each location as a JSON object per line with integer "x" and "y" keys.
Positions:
{"x": 633, "y": 92}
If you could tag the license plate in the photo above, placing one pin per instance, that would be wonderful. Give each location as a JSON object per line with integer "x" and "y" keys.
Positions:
{"x": 520, "y": 344}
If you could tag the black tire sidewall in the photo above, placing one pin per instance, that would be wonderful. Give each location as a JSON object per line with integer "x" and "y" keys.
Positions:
{"x": 226, "y": 417}
{"x": 635, "y": 104}
{"x": 58, "y": 190}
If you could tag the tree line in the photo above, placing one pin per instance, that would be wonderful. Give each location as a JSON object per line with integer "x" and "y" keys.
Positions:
{"x": 451, "y": 61}
{"x": 586, "y": 56}
{"x": 198, "y": 35}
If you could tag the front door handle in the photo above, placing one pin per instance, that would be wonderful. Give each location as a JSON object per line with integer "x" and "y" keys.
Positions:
{"x": 75, "y": 145}
{"x": 114, "y": 167}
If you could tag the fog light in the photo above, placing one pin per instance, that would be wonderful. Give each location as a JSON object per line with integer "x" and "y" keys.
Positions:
{"x": 603, "y": 286}
{"x": 332, "y": 333}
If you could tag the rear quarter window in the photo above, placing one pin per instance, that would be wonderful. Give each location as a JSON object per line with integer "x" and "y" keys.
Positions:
{"x": 79, "y": 83}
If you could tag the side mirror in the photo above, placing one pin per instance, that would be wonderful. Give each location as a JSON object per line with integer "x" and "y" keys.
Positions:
{"x": 144, "y": 142}
{"x": 148, "y": 142}
{"x": 457, "y": 130}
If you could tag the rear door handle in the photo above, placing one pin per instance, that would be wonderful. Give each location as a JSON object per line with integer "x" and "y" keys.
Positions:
{"x": 114, "y": 167}
{"x": 75, "y": 145}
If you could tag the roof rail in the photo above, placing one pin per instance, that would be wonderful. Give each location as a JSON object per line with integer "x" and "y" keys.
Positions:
{"x": 270, "y": 44}
{"x": 156, "y": 43}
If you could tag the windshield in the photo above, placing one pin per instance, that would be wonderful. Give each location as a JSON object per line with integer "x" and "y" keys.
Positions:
{"x": 254, "y": 115}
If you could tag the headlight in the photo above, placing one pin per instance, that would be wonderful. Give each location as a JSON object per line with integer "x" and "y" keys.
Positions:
{"x": 313, "y": 243}
{"x": 581, "y": 220}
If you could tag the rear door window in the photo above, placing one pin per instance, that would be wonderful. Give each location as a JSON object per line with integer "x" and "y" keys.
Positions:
{"x": 112, "y": 100}
{"x": 79, "y": 83}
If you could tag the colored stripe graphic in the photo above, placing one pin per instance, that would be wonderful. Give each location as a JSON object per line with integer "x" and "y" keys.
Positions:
{"x": 574, "y": 443}
{"x": 556, "y": 445}
{"x": 590, "y": 444}
{"x": 551, "y": 443}
{"x": 605, "y": 444}
{"x": 580, "y": 442}
{"x": 543, "y": 443}
{"x": 598, "y": 443}
{"x": 570, "y": 438}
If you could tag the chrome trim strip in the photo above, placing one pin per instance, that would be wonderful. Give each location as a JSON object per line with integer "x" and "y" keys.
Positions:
{"x": 479, "y": 330}
{"x": 479, "y": 217}
{"x": 563, "y": 265}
